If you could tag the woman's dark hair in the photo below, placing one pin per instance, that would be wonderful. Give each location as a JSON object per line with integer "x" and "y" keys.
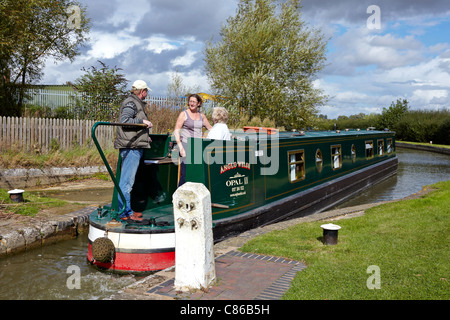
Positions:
{"x": 196, "y": 96}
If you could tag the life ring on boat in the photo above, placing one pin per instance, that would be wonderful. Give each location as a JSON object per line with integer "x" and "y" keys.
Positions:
{"x": 103, "y": 250}
{"x": 261, "y": 129}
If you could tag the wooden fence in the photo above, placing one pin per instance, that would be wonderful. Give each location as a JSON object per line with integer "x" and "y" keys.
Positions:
{"x": 47, "y": 134}
{"x": 44, "y": 135}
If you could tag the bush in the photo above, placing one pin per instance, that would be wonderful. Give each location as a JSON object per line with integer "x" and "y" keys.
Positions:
{"x": 162, "y": 118}
{"x": 442, "y": 136}
{"x": 424, "y": 126}
{"x": 355, "y": 123}
{"x": 104, "y": 89}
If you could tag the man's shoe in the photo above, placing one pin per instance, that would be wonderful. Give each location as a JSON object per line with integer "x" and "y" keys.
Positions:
{"x": 136, "y": 218}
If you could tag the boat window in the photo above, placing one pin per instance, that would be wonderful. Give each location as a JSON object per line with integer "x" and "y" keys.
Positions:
{"x": 389, "y": 145}
{"x": 319, "y": 161}
{"x": 336, "y": 158}
{"x": 353, "y": 153}
{"x": 380, "y": 147}
{"x": 369, "y": 149}
{"x": 296, "y": 165}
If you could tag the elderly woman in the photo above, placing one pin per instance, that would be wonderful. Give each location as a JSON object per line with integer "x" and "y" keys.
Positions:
{"x": 220, "y": 129}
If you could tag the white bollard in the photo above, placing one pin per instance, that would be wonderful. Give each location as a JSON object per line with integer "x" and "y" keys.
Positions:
{"x": 194, "y": 244}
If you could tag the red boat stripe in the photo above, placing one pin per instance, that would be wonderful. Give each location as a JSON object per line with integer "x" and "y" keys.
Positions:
{"x": 136, "y": 262}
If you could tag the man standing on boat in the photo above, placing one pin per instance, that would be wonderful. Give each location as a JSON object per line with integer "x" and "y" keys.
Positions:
{"x": 132, "y": 141}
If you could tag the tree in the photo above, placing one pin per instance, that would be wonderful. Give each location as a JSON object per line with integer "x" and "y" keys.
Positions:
{"x": 176, "y": 89}
{"x": 265, "y": 63}
{"x": 103, "y": 90}
{"x": 391, "y": 117}
{"x": 32, "y": 31}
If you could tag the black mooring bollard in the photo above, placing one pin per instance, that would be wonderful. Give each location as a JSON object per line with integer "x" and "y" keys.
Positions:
{"x": 330, "y": 233}
{"x": 16, "y": 195}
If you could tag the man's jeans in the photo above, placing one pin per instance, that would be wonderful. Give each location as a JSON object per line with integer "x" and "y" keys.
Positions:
{"x": 130, "y": 164}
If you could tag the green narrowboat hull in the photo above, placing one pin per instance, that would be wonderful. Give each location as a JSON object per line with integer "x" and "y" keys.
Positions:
{"x": 254, "y": 171}
{"x": 255, "y": 179}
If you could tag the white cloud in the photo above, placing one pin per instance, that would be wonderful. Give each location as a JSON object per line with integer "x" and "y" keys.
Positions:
{"x": 361, "y": 47}
{"x": 430, "y": 72}
{"x": 185, "y": 60}
{"x": 109, "y": 45}
{"x": 351, "y": 97}
{"x": 427, "y": 97}
{"x": 159, "y": 44}
{"x": 60, "y": 72}
{"x": 196, "y": 78}
{"x": 157, "y": 81}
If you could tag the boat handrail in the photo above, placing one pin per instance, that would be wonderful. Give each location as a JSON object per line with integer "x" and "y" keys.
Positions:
{"x": 102, "y": 155}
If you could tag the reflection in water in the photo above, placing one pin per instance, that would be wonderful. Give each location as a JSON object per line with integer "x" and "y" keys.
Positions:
{"x": 43, "y": 273}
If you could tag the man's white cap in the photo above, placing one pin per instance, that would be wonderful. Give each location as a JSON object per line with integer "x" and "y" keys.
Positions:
{"x": 140, "y": 84}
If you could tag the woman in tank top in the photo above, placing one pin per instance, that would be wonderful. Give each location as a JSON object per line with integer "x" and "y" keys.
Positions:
{"x": 190, "y": 122}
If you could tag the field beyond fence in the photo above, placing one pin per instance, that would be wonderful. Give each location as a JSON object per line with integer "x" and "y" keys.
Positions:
{"x": 39, "y": 135}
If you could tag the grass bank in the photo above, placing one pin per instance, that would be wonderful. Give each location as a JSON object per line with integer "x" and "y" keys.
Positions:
{"x": 426, "y": 144}
{"x": 406, "y": 241}
{"x": 32, "y": 204}
{"x": 77, "y": 157}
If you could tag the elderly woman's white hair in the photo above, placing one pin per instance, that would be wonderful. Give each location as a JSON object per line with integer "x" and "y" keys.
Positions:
{"x": 219, "y": 115}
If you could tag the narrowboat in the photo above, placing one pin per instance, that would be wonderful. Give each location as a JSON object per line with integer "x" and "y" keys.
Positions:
{"x": 259, "y": 177}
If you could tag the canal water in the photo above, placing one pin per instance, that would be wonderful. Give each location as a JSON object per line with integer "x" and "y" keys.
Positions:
{"x": 416, "y": 169}
{"x": 57, "y": 272}
{"x": 60, "y": 271}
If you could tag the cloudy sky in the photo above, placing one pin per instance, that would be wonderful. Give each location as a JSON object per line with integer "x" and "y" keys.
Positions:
{"x": 370, "y": 62}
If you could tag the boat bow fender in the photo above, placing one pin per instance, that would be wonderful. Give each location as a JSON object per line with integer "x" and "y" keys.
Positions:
{"x": 103, "y": 250}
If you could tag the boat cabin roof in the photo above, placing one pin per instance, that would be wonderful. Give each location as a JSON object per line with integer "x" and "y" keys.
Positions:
{"x": 261, "y": 134}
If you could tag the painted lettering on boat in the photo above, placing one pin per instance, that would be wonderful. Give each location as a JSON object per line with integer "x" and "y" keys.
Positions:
{"x": 234, "y": 165}
{"x": 237, "y": 184}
